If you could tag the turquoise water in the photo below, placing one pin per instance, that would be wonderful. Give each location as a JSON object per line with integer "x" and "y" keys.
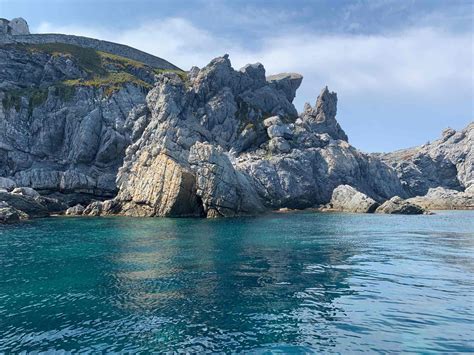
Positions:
{"x": 289, "y": 283}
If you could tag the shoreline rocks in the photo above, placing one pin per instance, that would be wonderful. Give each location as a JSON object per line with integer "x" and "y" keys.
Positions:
{"x": 347, "y": 199}
{"x": 397, "y": 205}
{"x": 445, "y": 199}
{"x": 216, "y": 142}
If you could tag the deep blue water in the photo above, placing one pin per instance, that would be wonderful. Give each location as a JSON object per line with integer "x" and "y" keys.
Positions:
{"x": 290, "y": 283}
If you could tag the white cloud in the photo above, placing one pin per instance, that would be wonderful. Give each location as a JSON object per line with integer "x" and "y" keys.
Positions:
{"x": 424, "y": 62}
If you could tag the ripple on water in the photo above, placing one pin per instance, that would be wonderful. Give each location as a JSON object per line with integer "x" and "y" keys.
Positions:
{"x": 288, "y": 283}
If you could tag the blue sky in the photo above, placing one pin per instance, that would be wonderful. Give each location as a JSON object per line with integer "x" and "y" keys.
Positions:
{"x": 403, "y": 69}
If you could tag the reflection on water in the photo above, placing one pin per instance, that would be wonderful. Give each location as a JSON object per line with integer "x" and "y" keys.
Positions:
{"x": 290, "y": 283}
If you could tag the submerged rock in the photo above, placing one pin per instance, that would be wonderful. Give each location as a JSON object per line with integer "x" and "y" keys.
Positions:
{"x": 346, "y": 198}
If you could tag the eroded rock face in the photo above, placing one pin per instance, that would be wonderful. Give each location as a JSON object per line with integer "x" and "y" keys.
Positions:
{"x": 26, "y": 191}
{"x": 67, "y": 140}
{"x": 30, "y": 206}
{"x": 346, "y": 198}
{"x": 217, "y": 142}
{"x": 223, "y": 190}
{"x": 447, "y": 162}
{"x": 397, "y": 205}
{"x": 159, "y": 186}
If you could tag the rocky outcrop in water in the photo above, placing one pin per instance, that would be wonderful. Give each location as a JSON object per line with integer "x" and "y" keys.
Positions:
{"x": 226, "y": 142}
{"x": 397, "y": 205}
{"x": 440, "y": 198}
{"x": 26, "y": 203}
{"x": 347, "y": 199}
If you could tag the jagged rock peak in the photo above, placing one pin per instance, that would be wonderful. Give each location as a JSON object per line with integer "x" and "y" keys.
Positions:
{"x": 322, "y": 117}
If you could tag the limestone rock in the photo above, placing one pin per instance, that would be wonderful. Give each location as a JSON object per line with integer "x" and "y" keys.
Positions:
{"x": 76, "y": 210}
{"x": 237, "y": 134}
{"x": 447, "y": 163}
{"x": 29, "y": 205}
{"x": 346, "y": 198}
{"x": 272, "y": 121}
{"x": 9, "y": 214}
{"x": 322, "y": 117}
{"x": 286, "y": 82}
{"x": 52, "y": 205}
{"x": 68, "y": 140}
{"x": 222, "y": 190}
{"x": 218, "y": 142}
{"x": 397, "y": 205}
{"x": 279, "y": 131}
{"x": 159, "y": 186}
{"x": 445, "y": 199}
{"x": 93, "y": 209}
{"x": 279, "y": 145}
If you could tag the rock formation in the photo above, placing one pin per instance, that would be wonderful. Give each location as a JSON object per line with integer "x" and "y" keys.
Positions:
{"x": 440, "y": 198}
{"x": 397, "y": 205}
{"x": 227, "y": 142}
{"x": 447, "y": 162}
{"x": 80, "y": 126}
{"x": 347, "y": 199}
{"x": 67, "y": 116}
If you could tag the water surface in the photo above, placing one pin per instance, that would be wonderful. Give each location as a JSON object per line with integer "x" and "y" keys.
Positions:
{"x": 290, "y": 283}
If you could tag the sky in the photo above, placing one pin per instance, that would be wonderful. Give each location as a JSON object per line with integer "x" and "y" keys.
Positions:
{"x": 402, "y": 69}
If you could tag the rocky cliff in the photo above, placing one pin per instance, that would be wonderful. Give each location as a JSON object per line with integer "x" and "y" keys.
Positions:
{"x": 447, "y": 162}
{"x": 225, "y": 142}
{"x": 80, "y": 125}
{"x": 67, "y": 115}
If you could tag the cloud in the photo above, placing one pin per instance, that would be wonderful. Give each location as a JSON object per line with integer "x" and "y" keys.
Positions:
{"x": 425, "y": 62}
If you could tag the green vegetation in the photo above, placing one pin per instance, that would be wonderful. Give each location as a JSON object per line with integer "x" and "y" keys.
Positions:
{"x": 111, "y": 82}
{"x": 65, "y": 92}
{"x": 106, "y": 71}
{"x": 35, "y": 97}
{"x": 88, "y": 59}
{"x": 109, "y": 58}
{"x": 11, "y": 100}
{"x": 249, "y": 126}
